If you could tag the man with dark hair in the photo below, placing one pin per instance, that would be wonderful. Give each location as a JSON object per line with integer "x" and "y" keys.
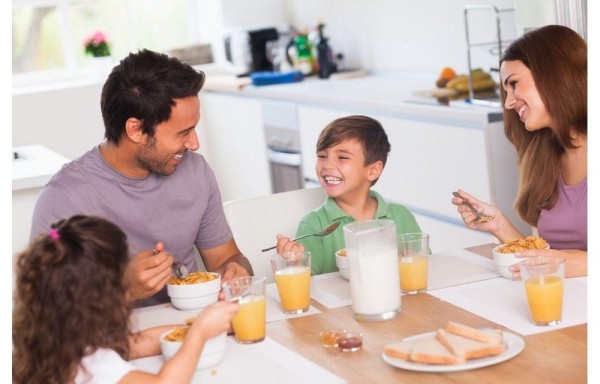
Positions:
{"x": 147, "y": 178}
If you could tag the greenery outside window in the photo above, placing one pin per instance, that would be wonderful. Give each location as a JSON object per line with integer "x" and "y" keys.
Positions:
{"x": 48, "y": 35}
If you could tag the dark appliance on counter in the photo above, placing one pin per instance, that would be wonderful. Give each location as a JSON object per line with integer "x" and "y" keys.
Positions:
{"x": 247, "y": 50}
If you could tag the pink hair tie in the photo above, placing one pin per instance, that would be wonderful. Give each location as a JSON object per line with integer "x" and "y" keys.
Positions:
{"x": 54, "y": 235}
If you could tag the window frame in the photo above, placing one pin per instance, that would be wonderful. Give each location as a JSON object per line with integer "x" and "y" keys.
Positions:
{"x": 72, "y": 71}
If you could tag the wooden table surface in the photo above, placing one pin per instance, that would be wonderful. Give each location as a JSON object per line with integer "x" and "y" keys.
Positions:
{"x": 558, "y": 356}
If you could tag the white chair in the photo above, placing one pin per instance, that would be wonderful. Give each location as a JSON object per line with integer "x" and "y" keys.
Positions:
{"x": 256, "y": 221}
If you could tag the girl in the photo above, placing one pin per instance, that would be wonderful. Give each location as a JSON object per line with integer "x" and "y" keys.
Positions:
{"x": 71, "y": 312}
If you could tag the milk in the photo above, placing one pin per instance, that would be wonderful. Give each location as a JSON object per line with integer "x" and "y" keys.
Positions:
{"x": 374, "y": 283}
{"x": 372, "y": 250}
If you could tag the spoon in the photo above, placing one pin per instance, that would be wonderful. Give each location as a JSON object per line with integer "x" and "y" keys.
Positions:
{"x": 179, "y": 270}
{"x": 480, "y": 217}
{"x": 324, "y": 232}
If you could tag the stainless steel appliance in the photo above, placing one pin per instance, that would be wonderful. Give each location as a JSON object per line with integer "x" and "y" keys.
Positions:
{"x": 280, "y": 121}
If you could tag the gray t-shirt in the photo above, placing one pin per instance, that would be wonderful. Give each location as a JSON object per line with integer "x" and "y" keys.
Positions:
{"x": 181, "y": 210}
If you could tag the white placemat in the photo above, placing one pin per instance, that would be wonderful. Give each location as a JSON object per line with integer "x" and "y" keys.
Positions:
{"x": 162, "y": 314}
{"x": 445, "y": 270}
{"x": 504, "y": 302}
{"x": 458, "y": 267}
{"x": 274, "y": 311}
{"x": 331, "y": 290}
{"x": 265, "y": 362}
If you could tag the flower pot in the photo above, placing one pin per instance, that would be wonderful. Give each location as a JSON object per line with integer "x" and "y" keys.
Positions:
{"x": 103, "y": 65}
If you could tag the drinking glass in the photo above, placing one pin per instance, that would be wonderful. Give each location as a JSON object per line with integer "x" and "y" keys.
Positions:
{"x": 249, "y": 324}
{"x": 543, "y": 279}
{"x": 413, "y": 251}
{"x": 292, "y": 277}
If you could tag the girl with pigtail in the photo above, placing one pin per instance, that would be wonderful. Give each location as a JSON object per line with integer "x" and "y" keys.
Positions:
{"x": 71, "y": 312}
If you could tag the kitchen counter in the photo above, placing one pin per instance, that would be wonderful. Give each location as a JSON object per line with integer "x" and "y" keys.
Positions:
{"x": 391, "y": 95}
{"x": 34, "y": 166}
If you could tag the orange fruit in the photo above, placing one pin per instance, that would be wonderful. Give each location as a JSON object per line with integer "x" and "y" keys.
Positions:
{"x": 447, "y": 73}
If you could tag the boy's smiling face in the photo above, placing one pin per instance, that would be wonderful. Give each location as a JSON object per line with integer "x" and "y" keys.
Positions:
{"x": 341, "y": 169}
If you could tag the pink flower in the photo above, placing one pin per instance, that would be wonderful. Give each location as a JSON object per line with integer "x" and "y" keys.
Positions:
{"x": 96, "y": 45}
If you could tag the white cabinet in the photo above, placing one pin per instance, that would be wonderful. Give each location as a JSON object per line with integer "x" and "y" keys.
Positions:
{"x": 430, "y": 159}
{"x": 233, "y": 141}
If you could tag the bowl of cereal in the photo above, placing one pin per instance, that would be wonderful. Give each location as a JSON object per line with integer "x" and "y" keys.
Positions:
{"x": 504, "y": 254}
{"x": 198, "y": 290}
{"x": 213, "y": 352}
{"x": 341, "y": 260}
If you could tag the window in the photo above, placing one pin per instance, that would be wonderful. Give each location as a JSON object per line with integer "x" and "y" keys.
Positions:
{"x": 48, "y": 35}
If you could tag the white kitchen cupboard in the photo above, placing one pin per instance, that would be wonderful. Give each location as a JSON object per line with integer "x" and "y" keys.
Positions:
{"x": 232, "y": 140}
{"x": 429, "y": 159}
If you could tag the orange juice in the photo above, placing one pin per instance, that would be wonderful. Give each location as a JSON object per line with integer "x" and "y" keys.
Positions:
{"x": 413, "y": 274}
{"x": 293, "y": 285}
{"x": 545, "y": 295}
{"x": 249, "y": 323}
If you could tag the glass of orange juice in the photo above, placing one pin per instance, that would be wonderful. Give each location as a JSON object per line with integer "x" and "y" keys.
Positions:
{"x": 413, "y": 253}
{"x": 292, "y": 277}
{"x": 249, "y": 324}
{"x": 543, "y": 278}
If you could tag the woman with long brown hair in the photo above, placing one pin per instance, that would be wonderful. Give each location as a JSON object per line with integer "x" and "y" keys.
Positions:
{"x": 544, "y": 82}
{"x": 71, "y": 312}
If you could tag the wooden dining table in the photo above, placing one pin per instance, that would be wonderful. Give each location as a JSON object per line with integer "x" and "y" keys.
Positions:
{"x": 556, "y": 356}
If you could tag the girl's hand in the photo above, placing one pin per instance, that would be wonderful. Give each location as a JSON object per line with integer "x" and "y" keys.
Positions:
{"x": 215, "y": 319}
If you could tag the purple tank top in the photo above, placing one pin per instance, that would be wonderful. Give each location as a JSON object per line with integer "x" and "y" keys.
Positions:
{"x": 564, "y": 226}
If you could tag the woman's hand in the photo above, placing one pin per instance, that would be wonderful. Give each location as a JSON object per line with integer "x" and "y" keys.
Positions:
{"x": 470, "y": 218}
{"x": 575, "y": 260}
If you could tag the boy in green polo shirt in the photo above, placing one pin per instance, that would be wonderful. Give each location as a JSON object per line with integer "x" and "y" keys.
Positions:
{"x": 351, "y": 154}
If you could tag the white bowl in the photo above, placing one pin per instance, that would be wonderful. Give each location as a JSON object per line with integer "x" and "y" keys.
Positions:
{"x": 212, "y": 355}
{"x": 342, "y": 264}
{"x": 195, "y": 296}
{"x": 503, "y": 261}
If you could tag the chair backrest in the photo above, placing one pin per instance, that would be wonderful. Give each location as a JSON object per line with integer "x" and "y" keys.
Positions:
{"x": 256, "y": 221}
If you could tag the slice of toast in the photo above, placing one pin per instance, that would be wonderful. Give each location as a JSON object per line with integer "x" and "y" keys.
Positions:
{"x": 491, "y": 336}
{"x": 428, "y": 350}
{"x": 399, "y": 350}
{"x": 467, "y": 348}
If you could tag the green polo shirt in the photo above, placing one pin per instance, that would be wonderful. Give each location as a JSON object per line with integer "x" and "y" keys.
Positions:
{"x": 323, "y": 248}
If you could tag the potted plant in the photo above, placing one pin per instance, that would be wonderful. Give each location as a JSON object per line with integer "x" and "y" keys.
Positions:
{"x": 96, "y": 45}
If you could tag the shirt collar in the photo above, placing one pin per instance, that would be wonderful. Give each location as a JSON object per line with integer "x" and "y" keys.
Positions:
{"x": 334, "y": 212}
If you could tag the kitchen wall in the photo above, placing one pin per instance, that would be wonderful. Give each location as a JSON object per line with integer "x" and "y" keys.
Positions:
{"x": 388, "y": 36}
{"x": 380, "y": 35}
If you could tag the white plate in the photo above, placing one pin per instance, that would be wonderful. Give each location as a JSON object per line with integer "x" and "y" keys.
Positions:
{"x": 514, "y": 345}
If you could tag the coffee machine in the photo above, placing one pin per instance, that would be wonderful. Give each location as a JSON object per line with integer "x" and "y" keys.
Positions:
{"x": 247, "y": 50}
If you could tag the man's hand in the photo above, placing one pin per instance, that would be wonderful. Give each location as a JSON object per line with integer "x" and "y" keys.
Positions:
{"x": 148, "y": 272}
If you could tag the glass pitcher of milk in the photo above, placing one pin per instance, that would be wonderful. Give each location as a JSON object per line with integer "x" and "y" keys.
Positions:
{"x": 372, "y": 251}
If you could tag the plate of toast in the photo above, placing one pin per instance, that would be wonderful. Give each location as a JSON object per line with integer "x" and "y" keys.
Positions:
{"x": 457, "y": 347}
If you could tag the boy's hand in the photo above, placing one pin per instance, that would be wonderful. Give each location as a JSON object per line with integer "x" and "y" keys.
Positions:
{"x": 286, "y": 245}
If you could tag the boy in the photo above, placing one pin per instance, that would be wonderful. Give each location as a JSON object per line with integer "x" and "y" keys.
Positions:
{"x": 351, "y": 154}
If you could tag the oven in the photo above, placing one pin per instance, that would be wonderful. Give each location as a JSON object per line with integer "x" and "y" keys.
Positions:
{"x": 282, "y": 136}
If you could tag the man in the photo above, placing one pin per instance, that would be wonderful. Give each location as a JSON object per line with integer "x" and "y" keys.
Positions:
{"x": 146, "y": 178}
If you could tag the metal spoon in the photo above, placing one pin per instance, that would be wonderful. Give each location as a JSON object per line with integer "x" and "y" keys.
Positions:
{"x": 324, "y": 232}
{"x": 179, "y": 270}
{"x": 480, "y": 217}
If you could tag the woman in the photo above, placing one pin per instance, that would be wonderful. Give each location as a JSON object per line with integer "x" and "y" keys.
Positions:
{"x": 544, "y": 82}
